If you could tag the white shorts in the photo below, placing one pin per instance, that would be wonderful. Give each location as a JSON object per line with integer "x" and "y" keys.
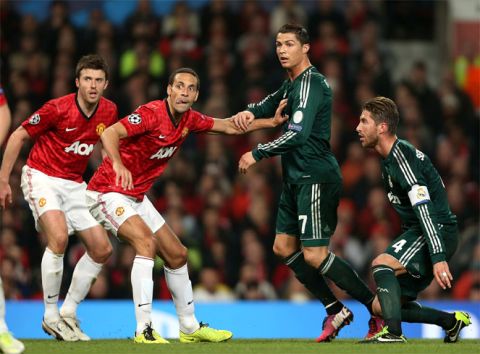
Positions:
{"x": 112, "y": 209}
{"x": 44, "y": 193}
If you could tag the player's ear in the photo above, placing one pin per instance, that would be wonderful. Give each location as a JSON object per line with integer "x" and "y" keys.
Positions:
{"x": 169, "y": 90}
{"x": 77, "y": 83}
{"x": 196, "y": 96}
{"x": 106, "y": 84}
{"x": 305, "y": 48}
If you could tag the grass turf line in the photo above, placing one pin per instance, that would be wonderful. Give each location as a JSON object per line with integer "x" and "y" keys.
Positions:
{"x": 241, "y": 346}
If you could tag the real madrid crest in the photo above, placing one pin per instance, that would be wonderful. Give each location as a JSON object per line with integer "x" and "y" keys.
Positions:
{"x": 42, "y": 202}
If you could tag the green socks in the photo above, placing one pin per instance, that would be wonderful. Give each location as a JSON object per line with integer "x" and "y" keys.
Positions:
{"x": 342, "y": 274}
{"x": 388, "y": 292}
{"x": 414, "y": 312}
{"x": 314, "y": 282}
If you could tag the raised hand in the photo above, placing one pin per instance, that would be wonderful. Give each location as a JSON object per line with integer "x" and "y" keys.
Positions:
{"x": 243, "y": 119}
{"x": 279, "y": 117}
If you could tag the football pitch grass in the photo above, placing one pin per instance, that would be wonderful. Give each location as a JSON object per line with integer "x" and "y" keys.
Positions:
{"x": 259, "y": 346}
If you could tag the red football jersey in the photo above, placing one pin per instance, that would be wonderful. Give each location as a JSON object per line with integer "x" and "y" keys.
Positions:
{"x": 3, "y": 99}
{"x": 65, "y": 137}
{"x": 153, "y": 138}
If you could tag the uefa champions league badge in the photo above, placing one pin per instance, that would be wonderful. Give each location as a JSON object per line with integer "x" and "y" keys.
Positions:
{"x": 35, "y": 119}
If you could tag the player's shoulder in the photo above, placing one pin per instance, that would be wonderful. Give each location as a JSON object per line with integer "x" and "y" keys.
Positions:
{"x": 108, "y": 104}
{"x": 155, "y": 107}
{"x": 407, "y": 154}
{"x": 404, "y": 148}
{"x": 314, "y": 77}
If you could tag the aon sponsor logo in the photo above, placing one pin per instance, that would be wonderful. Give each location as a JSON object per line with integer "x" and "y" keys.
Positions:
{"x": 80, "y": 148}
{"x": 164, "y": 153}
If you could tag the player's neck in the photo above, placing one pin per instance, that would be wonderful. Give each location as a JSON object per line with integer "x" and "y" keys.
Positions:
{"x": 298, "y": 69}
{"x": 385, "y": 145}
{"x": 86, "y": 107}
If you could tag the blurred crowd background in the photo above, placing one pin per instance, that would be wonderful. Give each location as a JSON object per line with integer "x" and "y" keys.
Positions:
{"x": 227, "y": 220}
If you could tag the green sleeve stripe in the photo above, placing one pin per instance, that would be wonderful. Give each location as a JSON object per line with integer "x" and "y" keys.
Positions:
{"x": 305, "y": 88}
{"x": 404, "y": 166}
{"x": 431, "y": 232}
{"x": 277, "y": 142}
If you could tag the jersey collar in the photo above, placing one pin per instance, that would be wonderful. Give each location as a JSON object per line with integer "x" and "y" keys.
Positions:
{"x": 170, "y": 115}
{"x": 390, "y": 154}
{"x": 82, "y": 112}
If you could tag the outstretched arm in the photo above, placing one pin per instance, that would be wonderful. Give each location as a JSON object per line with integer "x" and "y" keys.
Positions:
{"x": 228, "y": 125}
{"x": 111, "y": 143}
{"x": 14, "y": 145}
{"x": 5, "y": 121}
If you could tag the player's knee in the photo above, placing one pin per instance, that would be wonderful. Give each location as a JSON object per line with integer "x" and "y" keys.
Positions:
{"x": 314, "y": 256}
{"x": 58, "y": 244}
{"x": 280, "y": 251}
{"x": 177, "y": 258}
{"x": 144, "y": 246}
{"x": 101, "y": 254}
{"x": 380, "y": 260}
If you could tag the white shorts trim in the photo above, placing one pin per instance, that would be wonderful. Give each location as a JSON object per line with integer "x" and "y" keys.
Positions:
{"x": 112, "y": 209}
{"x": 44, "y": 193}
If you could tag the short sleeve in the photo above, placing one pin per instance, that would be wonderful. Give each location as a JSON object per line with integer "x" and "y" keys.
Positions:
{"x": 139, "y": 122}
{"x": 42, "y": 120}
{"x": 200, "y": 122}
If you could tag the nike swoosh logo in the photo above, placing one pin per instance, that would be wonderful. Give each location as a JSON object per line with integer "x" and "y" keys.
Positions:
{"x": 52, "y": 296}
{"x": 69, "y": 129}
{"x": 161, "y": 136}
{"x": 140, "y": 305}
{"x": 190, "y": 302}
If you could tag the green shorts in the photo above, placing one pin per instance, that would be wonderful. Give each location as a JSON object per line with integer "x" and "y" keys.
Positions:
{"x": 411, "y": 250}
{"x": 309, "y": 212}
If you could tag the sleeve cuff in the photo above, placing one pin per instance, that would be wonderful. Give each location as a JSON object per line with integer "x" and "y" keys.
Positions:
{"x": 256, "y": 154}
{"x": 438, "y": 257}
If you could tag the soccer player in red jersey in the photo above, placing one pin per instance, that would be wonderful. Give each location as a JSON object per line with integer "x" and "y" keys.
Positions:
{"x": 65, "y": 131}
{"x": 116, "y": 197}
{"x": 8, "y": 344}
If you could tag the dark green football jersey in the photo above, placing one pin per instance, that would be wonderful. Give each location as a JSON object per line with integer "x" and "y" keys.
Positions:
{"x": 304, "y": 145}
{"x": 417, "y": 193}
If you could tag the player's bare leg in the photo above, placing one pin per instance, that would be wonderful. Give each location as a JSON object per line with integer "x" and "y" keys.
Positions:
{"x": 174, "y": 253}
{"x": 54, "y": 226}
{"x": 86, "y": 271}
{"x": 136, "y": 232}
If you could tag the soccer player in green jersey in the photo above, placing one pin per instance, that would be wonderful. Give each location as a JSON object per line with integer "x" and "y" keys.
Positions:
{"x": 307, "y": 212}
{"x": 430, "y": 235}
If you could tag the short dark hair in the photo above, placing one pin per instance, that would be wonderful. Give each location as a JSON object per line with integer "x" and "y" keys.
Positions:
{"x": 299, "y": 31}
{"x": 91, "y": 61}
{"x": 190, "y": 71}
{"x": 383, "y": 110}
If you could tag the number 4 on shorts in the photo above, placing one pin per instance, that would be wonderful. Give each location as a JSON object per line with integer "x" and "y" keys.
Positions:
{"x": 399, "y": 245}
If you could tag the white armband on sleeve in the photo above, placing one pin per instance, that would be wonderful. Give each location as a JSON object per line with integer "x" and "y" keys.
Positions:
{"x": 419, "y": 195}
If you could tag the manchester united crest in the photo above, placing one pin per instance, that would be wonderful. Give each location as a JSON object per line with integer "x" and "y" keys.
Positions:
{"x": 119, "y": 211}
{"x": 184, "y": 132}
{"x": 42, "y": 202}
{"x": 100, "y": 128}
